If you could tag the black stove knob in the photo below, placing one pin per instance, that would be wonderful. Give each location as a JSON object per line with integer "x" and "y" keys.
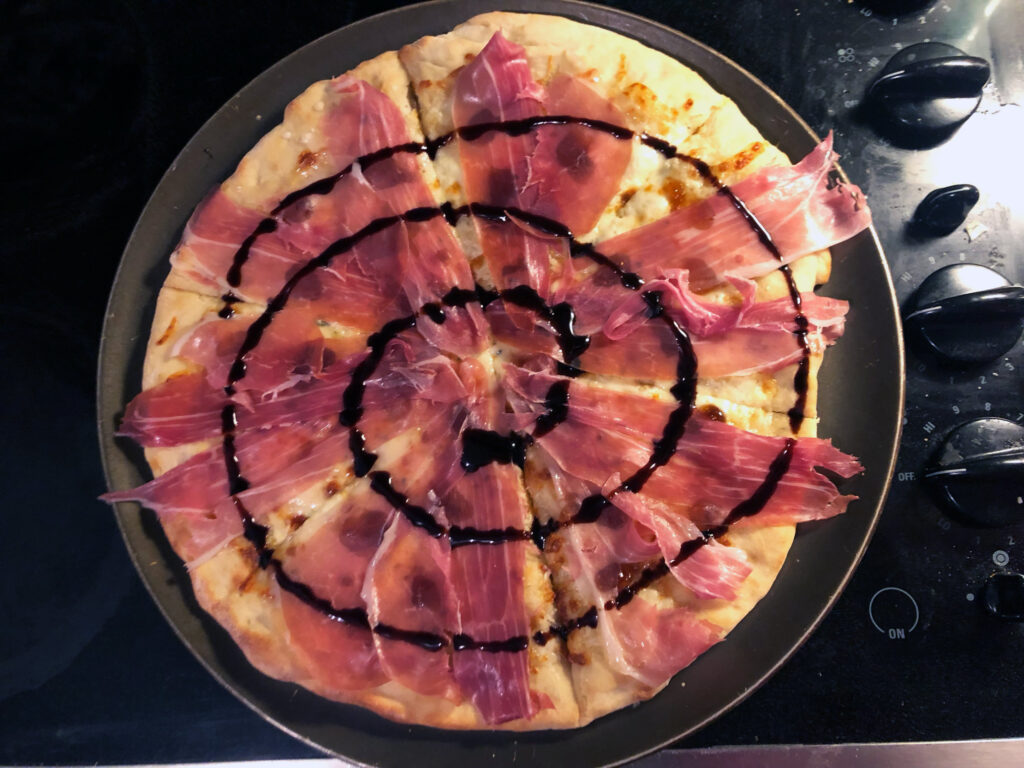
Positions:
{"x": 943, "y": 210}
{"x": 1003, "y": 596}
{"x": 926, "y": 91}
{"x": 965, "y": 313}
{"x": 978, "y": 473}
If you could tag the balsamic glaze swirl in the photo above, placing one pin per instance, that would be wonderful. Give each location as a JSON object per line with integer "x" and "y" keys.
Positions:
{"x": 486, "y": 446}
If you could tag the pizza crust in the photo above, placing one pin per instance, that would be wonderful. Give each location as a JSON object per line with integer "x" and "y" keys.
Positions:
{"x": 656, "y": 94}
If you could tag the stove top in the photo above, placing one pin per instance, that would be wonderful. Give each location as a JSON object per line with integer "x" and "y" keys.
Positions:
{"x": 923, "y": 645}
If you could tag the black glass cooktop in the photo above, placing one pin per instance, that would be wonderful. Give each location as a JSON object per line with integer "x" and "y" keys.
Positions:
{"x": 102, "y": 95}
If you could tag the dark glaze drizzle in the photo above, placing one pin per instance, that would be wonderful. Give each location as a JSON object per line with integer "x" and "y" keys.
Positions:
{"x": 380, "y": 483}
{"x": 481, "y": 447}
{"x": 265, "y": 227}
{"x": 228, "y": 310}
{"x": 684, "y": 391}
{"x": 802, "y": 379}
{"x": 561, "y": 317}
{"x": 588, "y": 619}
{"x": 352, "y": 398}
{"x": 556, "y": 408}
{"x": 498, "y": 448}
{"x": 512, "y": 645}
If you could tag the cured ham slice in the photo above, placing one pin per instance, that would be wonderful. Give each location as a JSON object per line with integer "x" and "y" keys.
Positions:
{"x": 186, "y": 408}
{"x": 715, "y": 468}
{"x": 637, "y": 529}
{"x": 215, "y": 233}
{"x": 292, "y": 349}
{"x": 713, "y": 571}
{"x": 718, "y": 467}
{"x": 415, "y": 388}
{"x": 550, "y": 172}
{"x": 432, "y": 263}
{"x": 192, "y": 498}
{"x": 408, "y": 587}
{"x": 728, "y": 340}
{"x": 653, "y": 644}
{"x": 497, "y": 86}
{"x": 182, "y": 409}
{"x": 337, "y": 657}
{"x": 488, "y": 579}
{"x": 575, "y": 170}
{"x": 640, "y": 641}
{"x": 360, "y": 121}
{"x": 488, "y": 583}
{"x": 333, "y": 551}
{"x": 361, "y": 289}
{"x": 332, "y": 559}
{"x": 798, "y": 205}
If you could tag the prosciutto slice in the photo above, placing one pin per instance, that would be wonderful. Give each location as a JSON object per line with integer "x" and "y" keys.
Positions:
{"x": 638, "y": 528}
{"x": 332, "y": 559}
{"x": 713, "y": 571}
{"x": 715, "y": 467}
{"x": 575, "y": 170}
{"x": 182, "y": 409}
{"x": 728, "y": 340}
{"x": 798, "y": 205}
{"x": 497, "y": 86}
{"x": 408, "y": 587}
{"x": 720, "y": 466}
{"x": 641, "y": 641}
{"x": 214, "y": 234}
{"x": 192, "y": 499}
{"x": 337, "y": 657}
{"x": 292, "y": 349}
{"x": 488, "y": 583}
{"x": 488, "y": 580}
{"x": 551, "y": 171}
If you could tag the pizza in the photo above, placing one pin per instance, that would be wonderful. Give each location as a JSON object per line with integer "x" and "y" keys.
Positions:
{"x": 483, "y": 393}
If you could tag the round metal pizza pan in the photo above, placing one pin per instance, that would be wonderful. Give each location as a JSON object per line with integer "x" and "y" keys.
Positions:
{"x": 861, "y": 397}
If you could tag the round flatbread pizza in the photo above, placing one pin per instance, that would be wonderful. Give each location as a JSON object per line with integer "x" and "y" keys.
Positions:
{"x": 483, "y": 393}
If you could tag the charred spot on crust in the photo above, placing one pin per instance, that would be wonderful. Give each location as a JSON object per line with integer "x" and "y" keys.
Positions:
{"x": 307, "y": 160}
{"x": 674, "y": 192}
{"x": 741, "y": 160}
{"x": 688, "y": 105}
{"x": 296, "y": 521}
{"x": 579, "y": 658}
{"x": 627, "y": 195}
{"x": 331, "y": 488}
{"x": 167, "y": 333}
